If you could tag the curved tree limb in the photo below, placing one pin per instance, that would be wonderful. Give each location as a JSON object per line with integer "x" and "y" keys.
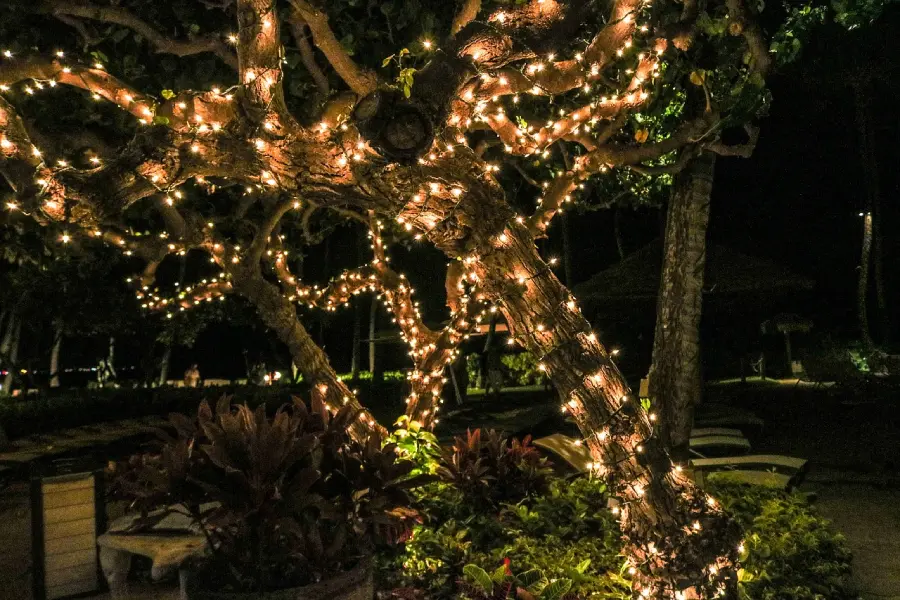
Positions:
{"x": 307, "y": 57}
{"x": 466, "y": 14}
{"x": 361, "y": 80}
{"x": 122, "y": 16}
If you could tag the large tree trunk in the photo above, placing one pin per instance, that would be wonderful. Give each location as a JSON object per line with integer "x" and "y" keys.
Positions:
{"x": 54, "y": 356}
{"x": 675, "y": 378}
{"x": 662, "y": 511}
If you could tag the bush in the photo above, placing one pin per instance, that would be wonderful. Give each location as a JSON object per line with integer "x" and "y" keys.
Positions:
{"x": 791, "y": 552}
{"x": 522, "y": 368}
{"x": 565, "y": 531}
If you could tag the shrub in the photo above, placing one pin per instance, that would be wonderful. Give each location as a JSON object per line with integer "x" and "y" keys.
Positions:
{"x": 486, "y": 469}
{"x": 55, "y": 410}
{"x": 522, "y": 368}
{"x": 791, "y": 552}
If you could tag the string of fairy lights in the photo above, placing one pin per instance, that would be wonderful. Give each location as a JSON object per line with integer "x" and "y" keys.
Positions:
{"x": 483, "y": 101}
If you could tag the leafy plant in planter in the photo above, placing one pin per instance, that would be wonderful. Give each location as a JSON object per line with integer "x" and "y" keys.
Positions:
{"x": 285, "y": 502}
{"x": 484, "y": 467}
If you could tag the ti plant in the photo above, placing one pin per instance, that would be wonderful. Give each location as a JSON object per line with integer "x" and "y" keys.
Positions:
{"x": 503, "y": 584}
{"x": 484, "y": 467}
{"x": 284, "y": 501}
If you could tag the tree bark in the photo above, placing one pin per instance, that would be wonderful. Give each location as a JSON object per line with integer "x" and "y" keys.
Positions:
{"x": 54, "y": 356}
{"x": 675, "y": 370}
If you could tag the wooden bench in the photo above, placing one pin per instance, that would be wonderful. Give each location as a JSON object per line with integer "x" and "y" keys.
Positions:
{"x": 170, "y": 542}
{"x": 700, "y": 446}
{"x": 771, "y": 470}
{"x": 579, "y": 457}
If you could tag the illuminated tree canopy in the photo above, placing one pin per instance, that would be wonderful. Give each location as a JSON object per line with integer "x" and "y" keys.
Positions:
{"x": 252, "y": 125}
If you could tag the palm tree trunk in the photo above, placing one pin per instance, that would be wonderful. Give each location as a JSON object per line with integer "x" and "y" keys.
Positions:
{"x": 373, "y": 318}
{"x": 675, "y": 370}
{"x": 54, "y": 356}
{"x": 164, "y": 365}
{"x": 869, "y": 163}
{"x": 355, "y": 353}
{"x": 862, "y": 286}
{"x": 12, "y": 352}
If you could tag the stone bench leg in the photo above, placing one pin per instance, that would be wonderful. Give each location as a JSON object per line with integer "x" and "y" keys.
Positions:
{"x": 115, "y": 565}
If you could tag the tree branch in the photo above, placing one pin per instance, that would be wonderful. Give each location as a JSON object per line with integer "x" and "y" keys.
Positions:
{"x": 124, "y": 17}
{"x": 307, "y": 57}
{"x": 259, "y": 56}
{"x": 361, "y": 80}
{"x": 467, "y": 13}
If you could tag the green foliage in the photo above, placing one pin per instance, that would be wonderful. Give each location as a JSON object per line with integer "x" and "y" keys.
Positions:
{"x": 565, "y": 533}
{"x": 416, "y": 444}
{"x": 295, "y": 499}
{"x": 522, "y": 368}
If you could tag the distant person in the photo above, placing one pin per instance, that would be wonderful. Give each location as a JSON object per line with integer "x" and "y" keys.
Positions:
{"x": 105, "y": 373}
{"x": 192, "y": 376}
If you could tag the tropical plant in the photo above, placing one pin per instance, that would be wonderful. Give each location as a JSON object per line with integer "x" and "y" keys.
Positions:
{"x": 284, "y": 501}
{"x": 485, "y": 468}
{"x": 417, "y": 444}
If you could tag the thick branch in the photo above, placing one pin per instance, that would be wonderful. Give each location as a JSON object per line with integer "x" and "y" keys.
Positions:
{"x": 467, "y": 13}
{"x": 307, "y": 57}
{"x": 361, "y": 80}
{"x": 125, "y": 18}
{"x": 259, "y": 56}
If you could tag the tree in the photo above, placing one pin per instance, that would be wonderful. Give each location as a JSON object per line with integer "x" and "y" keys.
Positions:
{"x": 238, "y": 172}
